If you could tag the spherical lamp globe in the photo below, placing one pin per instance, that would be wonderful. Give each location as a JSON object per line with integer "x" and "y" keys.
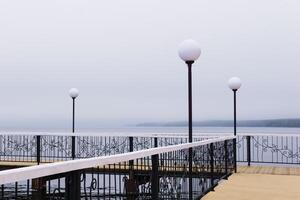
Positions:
{"x": 234, "y": 83}
{"x": 189, "y": 50}
{"x": 73, "y": 93}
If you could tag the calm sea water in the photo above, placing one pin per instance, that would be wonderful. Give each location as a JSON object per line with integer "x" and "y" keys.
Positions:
{"x": 161, "y": 130}
{"x": 198, "y": 130}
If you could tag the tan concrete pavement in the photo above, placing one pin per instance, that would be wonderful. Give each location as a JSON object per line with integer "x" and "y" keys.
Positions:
{"x": 266, "y": 185}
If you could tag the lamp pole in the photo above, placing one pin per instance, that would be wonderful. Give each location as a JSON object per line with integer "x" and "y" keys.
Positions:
{"x": 190, "y": 100}
{"x": 72, "y": 179}
{"x": 234, "y": 84}
{"x": 73, "y": 121}
{"x": 189, "y": 51}
{"x": 73, "y": 94}
{"x": 234, "y": 110}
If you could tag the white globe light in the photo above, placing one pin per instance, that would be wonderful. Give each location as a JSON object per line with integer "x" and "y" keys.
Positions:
{"x": 74, "y": 92}
{"x": 189, "y": 50}
{"x": 234, "y": 83}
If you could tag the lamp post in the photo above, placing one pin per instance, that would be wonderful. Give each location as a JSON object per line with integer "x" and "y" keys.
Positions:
{"x": 189, "y": 51}
{"x": 73, "y": 94}
{"x": 234, "y": 84}
{"x": 72, "y": 179}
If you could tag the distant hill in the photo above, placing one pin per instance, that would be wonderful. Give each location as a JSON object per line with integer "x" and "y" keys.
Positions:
{"x": 228, "y": 123}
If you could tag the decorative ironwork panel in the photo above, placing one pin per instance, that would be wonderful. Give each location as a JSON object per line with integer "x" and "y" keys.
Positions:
{"x": 279, "y": 149}
{"x": 241, "y": 149}
{"x": 171, "y": 141}
{"x": 230, "y": 155}
{"x": 55, "y": 148}
{"x": 219, "y": 157}
{"x": 92, "y": 146}
{"x": 140, "y": 143}
{"x": 18, "y": 148}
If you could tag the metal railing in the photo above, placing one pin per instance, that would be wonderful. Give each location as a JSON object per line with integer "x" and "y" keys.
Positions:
{"x": 268, "y": 148}
{"x": 52, "y": 147}
{"x": 153, "y": 173}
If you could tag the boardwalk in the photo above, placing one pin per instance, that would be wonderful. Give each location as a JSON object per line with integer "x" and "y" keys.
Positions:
{"x": 148, "y": 167}
{"x": 259, "y": 183}
{"x": 115, "y": 168}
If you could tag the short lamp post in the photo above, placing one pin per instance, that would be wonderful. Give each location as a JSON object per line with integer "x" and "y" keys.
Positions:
{"x": 73, "y": 94}
{"x": 189, "y": 51}
{"x": 234, "y": 84}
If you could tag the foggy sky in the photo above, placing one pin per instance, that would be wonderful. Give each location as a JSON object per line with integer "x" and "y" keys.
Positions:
{"x": 122, "y": 56}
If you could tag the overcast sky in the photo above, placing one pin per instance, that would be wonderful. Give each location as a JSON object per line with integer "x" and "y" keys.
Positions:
{"x": 122, "y": 56}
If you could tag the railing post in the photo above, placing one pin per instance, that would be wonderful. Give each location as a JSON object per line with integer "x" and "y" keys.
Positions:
{"x": 190, "y": 173}
{"x": 2, "y": 191}
{"x": 211, "y": 164}
{"x": 38, "y": 149}
{"x": 131, "y": 185}
{"x": 155, "y": 176}
{"x": 73, "y": 190}
{"x": 39, "y": 190}
{"x": 248, "y": 149}
{"x": 131, "y": 150}
{"x": 73, "y": 147}
{"x": 234, "y": 155}
{"x": 226, "y": 157}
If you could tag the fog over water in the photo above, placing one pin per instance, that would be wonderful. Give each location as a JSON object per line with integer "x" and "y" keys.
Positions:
{"x": 122, "y": 56}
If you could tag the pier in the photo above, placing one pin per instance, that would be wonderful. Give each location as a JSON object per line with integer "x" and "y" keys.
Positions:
{"x": 151, "y": 166}
{"x": 112, "y": 167}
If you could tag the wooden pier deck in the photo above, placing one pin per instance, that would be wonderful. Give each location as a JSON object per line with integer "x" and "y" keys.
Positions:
{"x": 259, "y": 183}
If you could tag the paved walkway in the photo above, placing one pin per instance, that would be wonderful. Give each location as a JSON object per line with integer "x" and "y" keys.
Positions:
{"x": 259, "y": 183}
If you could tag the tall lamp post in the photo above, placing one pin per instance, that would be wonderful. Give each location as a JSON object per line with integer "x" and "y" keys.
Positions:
{"x": 73, "y": 94}
{"x": 234, "y": 84}
{"x": 189, "y": 51}
{"x": 72, "y": 179}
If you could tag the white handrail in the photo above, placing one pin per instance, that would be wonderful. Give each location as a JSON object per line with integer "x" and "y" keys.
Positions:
{"x": 25, "y": 173}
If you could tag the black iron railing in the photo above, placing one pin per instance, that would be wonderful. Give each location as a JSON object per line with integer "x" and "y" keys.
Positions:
{"x": 154, "y": 173}
{"x": 276, "y": 149}
{"x": 52, "y": 148}
{"x": 161, "y": 175}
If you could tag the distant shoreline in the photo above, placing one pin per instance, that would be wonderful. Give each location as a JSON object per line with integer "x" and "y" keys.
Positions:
{"x": 280, "y": 123}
